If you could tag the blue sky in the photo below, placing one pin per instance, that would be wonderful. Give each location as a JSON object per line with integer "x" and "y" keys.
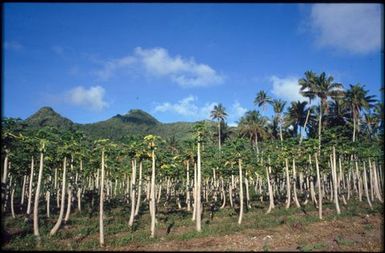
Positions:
{"x": 92, "y": 61}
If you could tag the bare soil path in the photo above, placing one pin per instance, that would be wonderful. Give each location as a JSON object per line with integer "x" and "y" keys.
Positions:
{"x": 363, "y": 233}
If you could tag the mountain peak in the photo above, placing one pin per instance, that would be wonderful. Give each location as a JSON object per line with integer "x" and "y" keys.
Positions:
{"x": 139, "y": 117}
{"x": 46, "y": 116}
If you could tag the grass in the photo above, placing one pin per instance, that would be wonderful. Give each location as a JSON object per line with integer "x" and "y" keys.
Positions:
{"x": 82, "y": 232}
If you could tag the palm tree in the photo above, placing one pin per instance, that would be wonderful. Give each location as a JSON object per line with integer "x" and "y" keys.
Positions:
{"x": 278, "y": 106}
{"x": 252, "y": 124}
{"x": 306, "y": 84}
{"x": 261, "y": 99}
{"x": 358, "y": 99}
{"x": 219, "y": 113}
{"x": 322, "y": 87}
{"x": 296, "y": 115}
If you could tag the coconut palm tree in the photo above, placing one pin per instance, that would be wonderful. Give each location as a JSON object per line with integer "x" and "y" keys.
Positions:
{"x": 262, "y": 99}
{"x": 278, "y": 106}
{"x": 323, "y": 87}
{"x": 252, "y": 124}
{"x": 220, "y": 114}
{"x": 306, "y": 83}
{"x": 358, "y": 99}
{"x": 296, "y": 115}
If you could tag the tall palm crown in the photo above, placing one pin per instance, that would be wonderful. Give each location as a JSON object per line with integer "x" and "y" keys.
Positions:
{"x": 218, "y": 112}
{"x": 252, "y": 124}
{"x": 296, "y": 114}
{"x": 324, "y": 87}
{"x": 306, "y": 85}
{"x": 358, "y": 99}
{"x": 262, "y": 98}
{"x": 278, "y": 105}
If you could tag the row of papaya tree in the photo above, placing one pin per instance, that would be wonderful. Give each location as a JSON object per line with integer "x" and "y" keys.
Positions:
{"x": 66, "y": 170}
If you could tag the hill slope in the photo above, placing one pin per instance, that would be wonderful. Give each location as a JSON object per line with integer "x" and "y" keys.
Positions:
{"x": 135, "y": 122}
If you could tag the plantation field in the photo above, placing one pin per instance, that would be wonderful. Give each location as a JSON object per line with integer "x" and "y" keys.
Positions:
{"x": 357, "y": 228}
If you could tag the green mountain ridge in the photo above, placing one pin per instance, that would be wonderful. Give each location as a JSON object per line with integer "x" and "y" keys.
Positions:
{"x": 135, "y": 122}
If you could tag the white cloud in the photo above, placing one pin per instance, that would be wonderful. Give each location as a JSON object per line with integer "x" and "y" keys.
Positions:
{"x": 157, "y": 62}
{"x": 110, "y": 67}
{"x": 12, "y": 45}
{"x": 352, "y": 27}
{"x": 235, "y": 113}
{"x": 92, "y": 98}
{"x": 287, "y": 88}
{"x": 187, "y": 107}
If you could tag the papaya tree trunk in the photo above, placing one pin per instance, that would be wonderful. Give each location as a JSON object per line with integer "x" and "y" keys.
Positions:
{"x": 335, "y": 184}
{"x": 23, "y": 189}
{"x": 133, "y": 190}
{"x": 319, "y": 188}
{"x": 139, "y": 189}
{"x": 366, "y": 188}
{"x": 59, "y": 220}
{"x": 271, "y": 196}
{"x": 101, "y": 228}
{"x": 188, "y": 201}
{"x": 198, "y": 196}
{"x": 295, "y": 186}
{"x": 287, "y": 185}
{"x": 36, "y": 203}
{"x": 12, "y": 198}
{"x": 153, "y": 195}
{"x": 240, "y": 191}
{"x": 30, "y": 188}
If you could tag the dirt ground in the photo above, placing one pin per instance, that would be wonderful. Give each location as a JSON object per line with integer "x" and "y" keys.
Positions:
{"x": 363, "y": 233}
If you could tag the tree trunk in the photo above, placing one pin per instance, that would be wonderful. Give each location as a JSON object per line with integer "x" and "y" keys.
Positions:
{"x": 319, "y": 129}
{"x": 59, "y": 220}
{"x": 287, "y": 185}
{"x": 188, "y": 202}
{"x": 5, "y": 171}
{"x": 69, "y": 203}
{"x": 48, "y": 199}
{"x": 304, "y": 126}
{"x": 224, "y": 194}
{"x": 295, "y": 186}
{"x": 23, "y": 190}
{"x": 12, "y": 198}
{"x": 247, "y": 192}
{"x": 359, "y": 183}
{"x": 219, "y": 135}
{"x": 79, "y": 193}
{"x": 133, "y": 190}
{"x": 319, "y": 188}
{"x": 153, "y": 195}
{"x": 240, "y": 191}
{"x": 335, "y": 184}
{"x": 366, "y": 188}
{"x": 376, "y": 183}
{"x": 195, "y": 193}
{"x": 354, "y": 126}
{"x": 101, "y": 228}
{"x": 36, "y": 203}
{"x": 271, "y": 197}
{"x": 30, "y": 188}
{"x": 198, "y": 196}
{"x": 139, "y": 188}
